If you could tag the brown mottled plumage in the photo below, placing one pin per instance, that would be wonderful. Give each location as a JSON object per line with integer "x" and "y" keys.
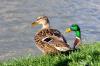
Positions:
{"x": 49, "y": 40}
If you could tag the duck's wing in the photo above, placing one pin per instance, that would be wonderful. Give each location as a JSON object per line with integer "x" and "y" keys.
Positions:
{"x": 46, "y": 33}
{"x": 56, "y": 43}
{"x": 59, "y": 35}
{"x": 47, "y": 38}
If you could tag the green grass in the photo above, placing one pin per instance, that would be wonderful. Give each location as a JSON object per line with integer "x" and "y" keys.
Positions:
{"x": 88, "y": 55}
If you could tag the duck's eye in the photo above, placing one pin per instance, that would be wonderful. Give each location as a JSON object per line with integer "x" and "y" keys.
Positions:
{"x": 47, "y": 39}
{"x": 74, "y": 28}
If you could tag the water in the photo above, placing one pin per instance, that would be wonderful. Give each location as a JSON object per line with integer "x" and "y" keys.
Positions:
{"x": 16, "y": 16}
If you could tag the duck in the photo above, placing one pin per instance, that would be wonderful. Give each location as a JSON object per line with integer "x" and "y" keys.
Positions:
{"x": 48, "y": 39}
{"x": 76, "y": 29}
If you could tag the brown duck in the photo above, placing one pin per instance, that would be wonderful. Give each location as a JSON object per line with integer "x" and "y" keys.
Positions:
{"x": 47, "y": 39}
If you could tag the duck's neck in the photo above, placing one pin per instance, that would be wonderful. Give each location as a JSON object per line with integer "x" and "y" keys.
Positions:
{"x": 46, "y": 26}
{"x": 77, "y": 40}
{"x": 78, "y": 34}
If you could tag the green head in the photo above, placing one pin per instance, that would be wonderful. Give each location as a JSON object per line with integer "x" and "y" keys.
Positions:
{"x": 76, "y": 29}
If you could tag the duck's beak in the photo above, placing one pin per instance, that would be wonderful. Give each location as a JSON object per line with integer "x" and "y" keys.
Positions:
{"x": 68, "y": 30}
{"x": 34, "y": 24}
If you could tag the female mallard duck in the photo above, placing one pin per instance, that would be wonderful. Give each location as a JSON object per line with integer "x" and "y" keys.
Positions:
{"x": 49, "y": 40}
{"x": 76, "y": 29}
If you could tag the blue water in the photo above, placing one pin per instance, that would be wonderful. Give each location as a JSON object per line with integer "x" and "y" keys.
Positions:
{"x": 16, "y": 16}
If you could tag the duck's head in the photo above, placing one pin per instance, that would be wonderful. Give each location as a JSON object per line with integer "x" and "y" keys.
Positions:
{"x": 42, "y": 20}
{"x": 76, "y": 29}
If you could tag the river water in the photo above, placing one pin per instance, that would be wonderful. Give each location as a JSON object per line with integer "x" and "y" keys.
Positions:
{"x": 16, "y": 16}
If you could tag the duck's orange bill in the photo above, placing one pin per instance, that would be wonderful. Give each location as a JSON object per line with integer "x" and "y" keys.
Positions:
{"x": 34, "y": 24}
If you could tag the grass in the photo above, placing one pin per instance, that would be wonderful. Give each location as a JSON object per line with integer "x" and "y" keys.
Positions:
{"x": 88, "y": 55}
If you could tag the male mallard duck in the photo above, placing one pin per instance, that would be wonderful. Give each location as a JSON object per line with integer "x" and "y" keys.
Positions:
{"x": 49, "y": 40}
{"x": 76, "y": 29}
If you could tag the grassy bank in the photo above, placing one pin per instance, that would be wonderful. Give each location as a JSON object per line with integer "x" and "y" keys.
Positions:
{"x": 88, "y": 55}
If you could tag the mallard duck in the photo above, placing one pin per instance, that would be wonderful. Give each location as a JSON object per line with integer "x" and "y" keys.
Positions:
{"x": 47, "y": 39}
{"x": 76, "y": 29}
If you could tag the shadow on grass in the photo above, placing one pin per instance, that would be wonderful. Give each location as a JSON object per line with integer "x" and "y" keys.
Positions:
{"x": 66, "y": 61}
{"x": 95, "y": 55}
{"x": 63, "y": 62}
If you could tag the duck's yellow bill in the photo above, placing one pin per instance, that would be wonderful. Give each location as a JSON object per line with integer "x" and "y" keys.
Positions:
{"x": 34, "y": 24}
{"x": 68, "y": 30}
